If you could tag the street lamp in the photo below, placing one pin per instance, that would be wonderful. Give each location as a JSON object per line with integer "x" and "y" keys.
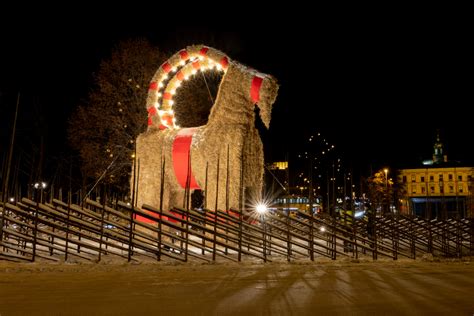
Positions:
{"x": 40, "y": 186}
{"x": 387, "y": 207}
{"x": 262, "y": 209}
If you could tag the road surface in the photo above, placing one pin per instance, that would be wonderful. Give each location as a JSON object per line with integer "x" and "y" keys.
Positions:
{"x": 324, "y": 288}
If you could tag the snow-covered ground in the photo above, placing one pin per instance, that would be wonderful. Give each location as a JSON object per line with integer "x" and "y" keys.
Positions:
{"x": 323, "y": 287}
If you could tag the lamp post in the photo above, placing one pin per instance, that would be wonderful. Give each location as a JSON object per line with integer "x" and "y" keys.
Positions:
{"x": 262, "y": 209}
{"x": 387, "y": 207}
{"x": 39, "y": 199}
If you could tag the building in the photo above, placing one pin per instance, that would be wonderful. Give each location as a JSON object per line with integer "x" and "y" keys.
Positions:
{"x": 290, "y": 203}
{"x": 438, "y": 188}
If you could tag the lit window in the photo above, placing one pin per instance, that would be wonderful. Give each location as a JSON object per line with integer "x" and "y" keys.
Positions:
{"x": 451, "y": 189}
{"x": 413, "y": 178}
{"x": 460, "y": 189}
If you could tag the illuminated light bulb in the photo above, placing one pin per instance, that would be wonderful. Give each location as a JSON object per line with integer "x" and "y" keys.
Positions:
{"x": 171, "y": 112}
{"x": 201, "y": 58}
{"x": 173, "y": 92}
{"x": 261, "y": 208}
{"x": 182, "y": 63}
{"x": 165, "y": 76}
{"x": 176, "y": 126}
{"x": 159, "y": 94}
{"x": 193, "y": 71}
{"x": 173, "y": 69}
{"x": 186, "y": 77}
{"x": 174, "y": 120}
{"x": 171, "y": 102}
{"x": 160, "y": 85}
{"x": 178, "y": 84}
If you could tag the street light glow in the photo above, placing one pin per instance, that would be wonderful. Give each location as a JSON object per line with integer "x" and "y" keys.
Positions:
{"x": 261, "y": 208}
{"x": 40, "y": 185}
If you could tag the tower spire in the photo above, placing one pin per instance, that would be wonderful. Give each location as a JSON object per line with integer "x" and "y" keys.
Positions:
{"x": 438, "y": 156}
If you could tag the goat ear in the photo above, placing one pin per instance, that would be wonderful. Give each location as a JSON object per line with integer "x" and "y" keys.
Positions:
{"x": 267, "y": 95}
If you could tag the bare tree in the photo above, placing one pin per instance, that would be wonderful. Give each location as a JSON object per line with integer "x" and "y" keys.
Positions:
{"x": 103, "y": 129}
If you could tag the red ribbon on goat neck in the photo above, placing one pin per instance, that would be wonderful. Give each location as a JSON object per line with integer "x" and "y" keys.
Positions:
{"x": 181, "y": 149}
{"x": 255, "y": 88}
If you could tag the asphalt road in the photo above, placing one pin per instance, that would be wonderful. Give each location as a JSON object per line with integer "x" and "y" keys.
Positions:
{"x": 381, "y": 288}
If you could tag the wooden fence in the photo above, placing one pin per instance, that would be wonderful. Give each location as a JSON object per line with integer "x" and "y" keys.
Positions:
{"x": 58, "y": 230}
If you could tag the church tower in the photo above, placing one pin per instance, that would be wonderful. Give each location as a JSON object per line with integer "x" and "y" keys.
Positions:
{"x": 438, "y": 156}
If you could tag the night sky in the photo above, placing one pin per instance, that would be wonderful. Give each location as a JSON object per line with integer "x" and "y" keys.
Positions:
{"x": 377, "y": 90}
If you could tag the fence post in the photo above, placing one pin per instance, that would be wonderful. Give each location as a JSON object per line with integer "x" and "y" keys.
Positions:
{"x": 130, "y": 234}
{"x": 35, "y": 229}
{"x": 374, "y": 249}
{"x": 67, "y": 225}
{"x": 311, "y": 233}
{"x": 215, "y": 210}
{"x": 104, "y": 196}
{"x": 264, "y": 234}
{"x": 187, "y": 237}
{"x": 288, "y": 245}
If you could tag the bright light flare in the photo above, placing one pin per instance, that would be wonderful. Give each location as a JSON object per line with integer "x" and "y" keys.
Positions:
{"x": 261, "y": 208}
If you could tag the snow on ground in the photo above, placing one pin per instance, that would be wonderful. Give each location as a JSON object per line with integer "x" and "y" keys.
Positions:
{"x": 323, "y": 287}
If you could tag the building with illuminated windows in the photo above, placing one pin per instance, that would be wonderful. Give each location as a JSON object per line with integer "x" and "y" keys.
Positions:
{"x": 438, "y": 188}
